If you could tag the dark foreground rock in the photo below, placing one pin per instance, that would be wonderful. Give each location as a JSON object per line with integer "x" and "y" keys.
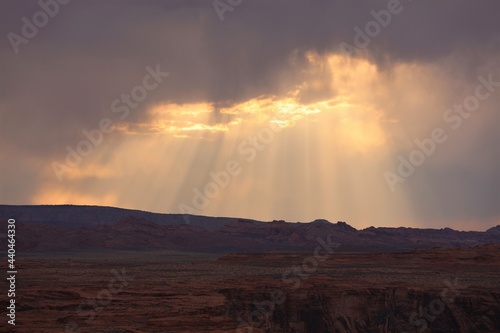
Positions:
{"x": 432, "y": 290}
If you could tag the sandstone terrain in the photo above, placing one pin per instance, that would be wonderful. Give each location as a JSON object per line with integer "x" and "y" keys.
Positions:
{"x": 110, "y": 270}
{"x": 321, "y": 290}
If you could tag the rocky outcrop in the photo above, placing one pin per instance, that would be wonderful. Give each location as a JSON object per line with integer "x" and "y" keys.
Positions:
{"x": 320, "y": 306}
{"x": 348, "y": 294}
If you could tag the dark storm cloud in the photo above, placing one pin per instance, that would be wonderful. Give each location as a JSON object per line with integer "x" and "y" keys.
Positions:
{"x": 67, "y": 76}
{"x": 468, "y": 188}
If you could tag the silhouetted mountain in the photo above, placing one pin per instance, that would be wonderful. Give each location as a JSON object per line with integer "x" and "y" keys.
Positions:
{"x": 494, "y": 230}
{"x": 91, "y": 216}
{"x": 44, "y": 228}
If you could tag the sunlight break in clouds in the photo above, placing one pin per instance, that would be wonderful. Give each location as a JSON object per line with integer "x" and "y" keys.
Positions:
{"x": 343, "y": 125}
{"x": 340, "y": 142}
{"x": 344, "y": 120}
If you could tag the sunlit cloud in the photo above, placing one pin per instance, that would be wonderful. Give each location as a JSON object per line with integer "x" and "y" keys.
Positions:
{"x": 355, "y": 119}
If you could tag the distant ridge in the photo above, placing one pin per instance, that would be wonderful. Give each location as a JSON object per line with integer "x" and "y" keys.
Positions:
{"x": 91, "y": 216}
{"x": 72, "y": 227}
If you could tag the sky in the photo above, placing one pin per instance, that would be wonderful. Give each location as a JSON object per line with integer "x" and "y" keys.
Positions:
{"x": 377, "y": 113}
